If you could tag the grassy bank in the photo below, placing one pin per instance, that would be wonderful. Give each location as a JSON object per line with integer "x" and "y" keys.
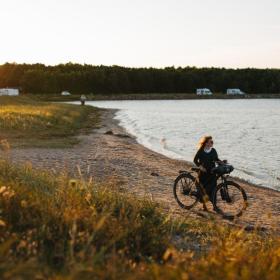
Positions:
{"x": 65, "y": 228}
{"x": 25, "y": 121}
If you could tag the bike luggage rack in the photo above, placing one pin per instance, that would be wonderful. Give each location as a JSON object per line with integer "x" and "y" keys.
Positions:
{"x": 196, "y": 169}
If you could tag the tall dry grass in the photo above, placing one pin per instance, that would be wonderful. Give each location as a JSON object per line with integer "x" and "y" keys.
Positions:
{"x": 24, "y": 119}
{"x": 65, "y": 228}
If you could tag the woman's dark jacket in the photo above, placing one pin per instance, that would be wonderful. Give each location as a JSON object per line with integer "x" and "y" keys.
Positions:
{"x": 207, "y": 160}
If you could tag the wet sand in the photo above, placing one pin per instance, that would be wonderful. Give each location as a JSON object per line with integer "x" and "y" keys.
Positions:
{"x": 109, "y": 153}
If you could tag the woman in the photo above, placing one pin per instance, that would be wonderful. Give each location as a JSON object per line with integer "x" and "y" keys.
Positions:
{"x": 205, "y": 159}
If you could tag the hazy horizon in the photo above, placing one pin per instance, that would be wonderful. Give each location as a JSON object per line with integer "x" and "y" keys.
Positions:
{"x": 200, "y": 33}
{"x": 138, "y": 67}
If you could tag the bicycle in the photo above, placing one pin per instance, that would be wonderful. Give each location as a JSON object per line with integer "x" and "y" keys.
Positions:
{"x": 229, "y": 199}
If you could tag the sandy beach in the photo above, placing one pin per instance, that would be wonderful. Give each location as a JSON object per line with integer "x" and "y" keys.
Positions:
{"x": 109, "y": 153}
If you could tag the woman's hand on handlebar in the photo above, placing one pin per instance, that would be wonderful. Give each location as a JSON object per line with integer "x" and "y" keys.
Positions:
{"x": 222, "y": 161}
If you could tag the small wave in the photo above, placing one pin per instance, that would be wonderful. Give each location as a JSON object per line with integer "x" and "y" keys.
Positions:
{"x": 246, "y": 171}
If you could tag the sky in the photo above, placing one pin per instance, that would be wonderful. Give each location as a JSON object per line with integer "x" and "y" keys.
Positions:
{"x": 142, "y": 33}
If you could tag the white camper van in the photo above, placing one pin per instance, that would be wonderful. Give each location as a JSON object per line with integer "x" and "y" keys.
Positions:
{"x": 9, "y": 91}
{"x": 234, "y": 91}
{"x": 65, "y": 93}
{"x": 203, "y": 91}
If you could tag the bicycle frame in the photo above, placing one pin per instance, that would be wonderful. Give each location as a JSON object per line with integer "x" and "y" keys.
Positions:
{"x": 223, "y": 177}
{"x": 201, "y": 187}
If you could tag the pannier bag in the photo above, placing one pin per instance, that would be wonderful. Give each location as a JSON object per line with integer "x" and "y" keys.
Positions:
{"x": 223, "y": 169}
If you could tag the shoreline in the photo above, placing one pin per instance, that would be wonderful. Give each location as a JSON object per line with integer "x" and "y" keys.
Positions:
{"x": 189, "y": 163}
{"x": 152, "y": 96}
{"x": 109, "y": 153}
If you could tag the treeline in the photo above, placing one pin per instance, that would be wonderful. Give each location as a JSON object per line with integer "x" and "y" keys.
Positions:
{"x": 76, "y": 78}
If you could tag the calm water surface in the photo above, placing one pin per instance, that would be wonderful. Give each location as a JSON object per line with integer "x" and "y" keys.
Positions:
{"x": 246, "y": 132}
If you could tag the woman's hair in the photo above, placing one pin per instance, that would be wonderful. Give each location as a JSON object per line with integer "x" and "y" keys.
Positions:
{"x": 203, "y": 141}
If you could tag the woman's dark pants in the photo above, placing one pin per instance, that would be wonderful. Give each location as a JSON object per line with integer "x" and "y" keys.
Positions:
{"x": 209, "y": 182}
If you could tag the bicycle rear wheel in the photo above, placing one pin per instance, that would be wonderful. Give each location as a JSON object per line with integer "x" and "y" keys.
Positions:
{"x": 185, "y": 191}
{"x": 229, "y": 199}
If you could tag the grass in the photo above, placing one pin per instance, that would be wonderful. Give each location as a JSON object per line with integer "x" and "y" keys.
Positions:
{"x": 29, "y": 122}
{"x": 70, "y": 228}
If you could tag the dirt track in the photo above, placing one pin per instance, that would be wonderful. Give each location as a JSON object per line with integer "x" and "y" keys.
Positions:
{"x": 109, "y": 152}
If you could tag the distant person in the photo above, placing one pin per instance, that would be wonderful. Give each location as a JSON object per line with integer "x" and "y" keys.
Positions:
{"x": 83, "y": 99}
{"x": 205, "y": 159}
{"x": 163, "y": 143}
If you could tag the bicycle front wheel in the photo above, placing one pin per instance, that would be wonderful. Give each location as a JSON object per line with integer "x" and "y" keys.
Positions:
{"x": 229, "y": 199}
{"x": 185, "y": 191}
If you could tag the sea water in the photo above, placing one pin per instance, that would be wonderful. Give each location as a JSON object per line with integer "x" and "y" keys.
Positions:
{"x": 246, "y": 132}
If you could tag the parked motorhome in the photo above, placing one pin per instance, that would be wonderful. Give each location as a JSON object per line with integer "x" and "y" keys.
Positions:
{"x": 234, "y": 91}
{"x": 203, "y": 91}
{"x": 9, "y": 91}
{"x": 65, "y": 93}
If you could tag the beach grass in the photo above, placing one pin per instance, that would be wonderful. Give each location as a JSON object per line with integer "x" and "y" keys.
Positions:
{"x": 59, "y": 227}
{"x": 28, "y": 122}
